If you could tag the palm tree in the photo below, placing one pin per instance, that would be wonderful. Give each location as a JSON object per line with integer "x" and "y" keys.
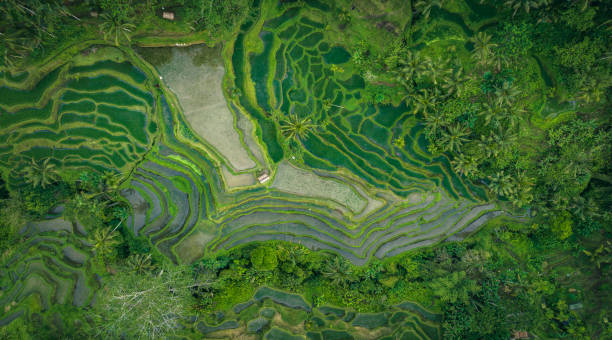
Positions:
{"x": 294, "y": 128}
{"x": 104, "y": 241}
{"x": 13, "y": 47}
{"x": 487, "y": 145}
{"x": 412, "y": 66}
{"x": 140, "y": 263}
{"x": 526, "y": 5}
{"x": 494, "y": 115}
{"x": 454, "y": 137}
{"x": 111, "y": 181}
{"x": 491, "y": 113}
{"x": 511, "y": 115}
{"x": 483, "y": 48}
{"x": 474, "y": 260}
{"x": 455, "y": 84}
{"x": 506, "y": 94}
{"x": 498, "y": 61}
{"x": 116, "y": 26}
{"x": 522, "y": 195}
{"x": 593, "y": 89}
{"x": 465, "y": 165}
{"x": 438, "y": 70}
{"x": 425, "y": 6}
{"x": 501, "y": 184}
{"x": 504, "y": 140}
{"x": 434, "y": 122}
{"x": 40, "y": 174}
{"x": 483, "y": 58}
{"x": 521, "y": 198}
{"x": 603, "y": 254}
{"x": 338, "y": 271}
{"x": 456, "y": 287}
{"x": 482, "y": 42}
{"x": 425, "y": 102}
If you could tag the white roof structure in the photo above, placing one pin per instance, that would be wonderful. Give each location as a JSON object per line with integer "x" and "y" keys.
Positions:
{"x": 263, "y": 178}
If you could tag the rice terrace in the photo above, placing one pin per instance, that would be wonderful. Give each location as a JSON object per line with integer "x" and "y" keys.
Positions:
{"x": 305, "y": 169}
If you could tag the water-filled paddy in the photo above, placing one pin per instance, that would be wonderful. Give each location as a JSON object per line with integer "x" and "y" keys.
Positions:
{"x": 195, "y": 75}
{"x": 89, "y": 119}
{"x": 300, "y": 182}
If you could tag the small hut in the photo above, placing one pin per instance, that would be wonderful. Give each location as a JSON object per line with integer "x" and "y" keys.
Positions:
{"x": 168, "y": 15}
{"x": 263, "y": 178}
{"x": 93, "y": 14}
{"x": 520, "y": 335}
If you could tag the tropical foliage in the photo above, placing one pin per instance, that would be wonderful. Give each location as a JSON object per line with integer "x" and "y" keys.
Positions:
{"x": 40, "y": 173}
{"x": 518, "y": 105}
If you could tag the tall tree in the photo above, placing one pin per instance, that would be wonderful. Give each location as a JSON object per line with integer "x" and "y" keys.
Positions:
{"x": 506, "y": 94}
{"x": 104, "y": 241}
{"x": 140, "y": 263}
{"x": 522, "y": 194}
{"x": 13, "y": 48}
{"x": 425, "y": 6}
{"x": 487, "y": 144}
{"x": 434, "y": 123}
{"x": 465, "y": 165}
{"x": 504, "y": 139}
{"x": 295, "y": 128}
{"x": 483, "y": 48}
{"x": 525, "y": 5}
{"x": 455, "y": 287}
{"x": 455, "y": 83}
{"x": 40, "y": 174}
{"x": 501, "y": 184}
{"x": 491, "y": 114}
{"x": 425, "y": 102}
{"x": 438, "y": 71}
{"x": 338, "y": 271}
{"x": 482, "y": 42}
{"x": 454, "y": 137}
{"x": 116, "y": 26}
{"x": 412, "y": 66}
{"x": 593, "y": 89}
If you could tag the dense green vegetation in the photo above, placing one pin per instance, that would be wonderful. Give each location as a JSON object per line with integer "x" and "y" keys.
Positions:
{"x": 474, "y": 139}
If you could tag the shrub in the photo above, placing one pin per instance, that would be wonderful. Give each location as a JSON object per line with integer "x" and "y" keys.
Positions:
{"x": 515, "y": 39}
{"x": 561, "y": 225}
{"x": 264, "y": 258}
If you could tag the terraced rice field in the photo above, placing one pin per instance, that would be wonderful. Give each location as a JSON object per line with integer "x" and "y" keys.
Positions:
{"x": 96, "y": 115}
{"x": 274, "y": 314}
{"x": 357, "y": 194}
{"x": 383, "y": 201}
{"x": 365, "y": 197}
{"x": 305, "y": 76}
{"x": 52, "y": 267}
{"x": 195, "y": 75}
{"x": 87, "y": 113}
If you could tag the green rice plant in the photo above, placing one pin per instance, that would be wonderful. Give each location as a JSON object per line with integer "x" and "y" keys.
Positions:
{"x": 134, "y": 121}
{"x": 123, "y": 68}
{"x": 13, "y": 97}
